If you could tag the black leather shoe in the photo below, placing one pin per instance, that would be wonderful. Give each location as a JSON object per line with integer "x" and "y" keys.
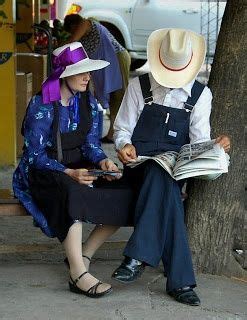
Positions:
{"x": 186, "y": 296}
{"x": 129, "y": 270}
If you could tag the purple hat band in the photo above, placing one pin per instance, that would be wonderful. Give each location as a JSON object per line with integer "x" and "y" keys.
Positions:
{"x": 51, "y": 86}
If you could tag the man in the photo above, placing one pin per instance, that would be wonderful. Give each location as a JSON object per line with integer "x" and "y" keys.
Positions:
{"x": 162, "y": 111}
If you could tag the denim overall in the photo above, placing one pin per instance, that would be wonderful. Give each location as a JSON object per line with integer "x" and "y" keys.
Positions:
{"x": 160, "y": 231}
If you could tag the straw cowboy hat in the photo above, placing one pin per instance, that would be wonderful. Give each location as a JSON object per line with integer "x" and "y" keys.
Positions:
{"x": 68, "y": 60}
{"x": 175, "y": 56}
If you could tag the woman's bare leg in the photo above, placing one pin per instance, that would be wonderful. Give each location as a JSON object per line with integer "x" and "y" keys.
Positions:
{"x": 95, "y": 240}
{"x": 73, "y": 249}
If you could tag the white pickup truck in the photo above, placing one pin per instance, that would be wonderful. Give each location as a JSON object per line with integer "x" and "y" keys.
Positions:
{"x": 132, "y": 21}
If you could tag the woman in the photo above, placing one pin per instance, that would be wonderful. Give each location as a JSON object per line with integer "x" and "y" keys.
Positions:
{"x": 110, "y": 83}
{"x": 52, "y": 180}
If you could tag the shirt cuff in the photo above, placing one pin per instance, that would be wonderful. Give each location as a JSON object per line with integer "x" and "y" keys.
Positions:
{"x": 119, "y": 144}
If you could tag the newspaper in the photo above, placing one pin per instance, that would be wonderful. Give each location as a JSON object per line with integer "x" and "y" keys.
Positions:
{"x": 205, "y": 160}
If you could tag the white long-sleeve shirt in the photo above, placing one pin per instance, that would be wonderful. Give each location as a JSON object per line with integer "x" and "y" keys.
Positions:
{"x": 133, "y": 104}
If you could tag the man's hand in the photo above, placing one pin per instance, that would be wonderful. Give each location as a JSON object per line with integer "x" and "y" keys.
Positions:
{"x": 81, "y": 176}
{"x": 127, "y": 153}
{"x": 109, "y": 165}
{"x": 224, "y": 141}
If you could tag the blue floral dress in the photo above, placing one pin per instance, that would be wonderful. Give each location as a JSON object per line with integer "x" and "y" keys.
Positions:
{"x": 38, "y": 136}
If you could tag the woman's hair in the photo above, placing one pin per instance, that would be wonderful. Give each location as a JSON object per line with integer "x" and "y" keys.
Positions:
{"x": 71, "y": 21}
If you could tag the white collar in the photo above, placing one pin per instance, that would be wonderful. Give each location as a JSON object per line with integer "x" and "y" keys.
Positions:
{"x": 154, "y": 85}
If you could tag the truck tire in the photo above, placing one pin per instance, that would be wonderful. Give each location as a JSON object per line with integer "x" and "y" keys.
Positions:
{"x": 114, "y": 31}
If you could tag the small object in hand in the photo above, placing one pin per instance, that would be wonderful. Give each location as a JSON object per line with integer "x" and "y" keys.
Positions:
{"x": 99, "y": 173}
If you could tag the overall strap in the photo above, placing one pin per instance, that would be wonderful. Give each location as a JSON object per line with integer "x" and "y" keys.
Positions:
{"x": 57, "y": 132}
{"x": 145, "y": 86}
{"x": 72, "y": 139}
{"x": 196, "y": 91}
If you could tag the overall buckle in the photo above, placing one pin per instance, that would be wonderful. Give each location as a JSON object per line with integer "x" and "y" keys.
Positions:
{"x": 188, "y": 105}
{"x": 148, "y": 100}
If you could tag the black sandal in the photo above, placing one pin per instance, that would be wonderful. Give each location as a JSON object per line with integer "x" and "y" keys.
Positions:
{"x": 91, "y": 292}
{"x": 66, "y": 261}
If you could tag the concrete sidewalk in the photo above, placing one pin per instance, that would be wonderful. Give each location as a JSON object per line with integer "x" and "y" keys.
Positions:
{"x": 33, "y": 284}
{"x": 40, "y": 292}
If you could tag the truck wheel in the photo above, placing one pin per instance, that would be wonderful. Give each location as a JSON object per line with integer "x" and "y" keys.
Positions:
{"x": 114, "y": 31}
{"x": 137, "y": 63}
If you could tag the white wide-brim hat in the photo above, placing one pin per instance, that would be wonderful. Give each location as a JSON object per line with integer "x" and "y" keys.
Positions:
{"x": 68, "y": 60}
{"x": 175, "y": 56}
{"x": 82, "y": 66}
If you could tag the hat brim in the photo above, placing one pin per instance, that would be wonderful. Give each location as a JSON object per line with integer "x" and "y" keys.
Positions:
{"x": 83, "y": 66}
{"x": 175, "y": 79}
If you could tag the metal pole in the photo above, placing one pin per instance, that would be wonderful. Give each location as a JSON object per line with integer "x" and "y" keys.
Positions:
{"x": 208, "y": 42}
{"x": 201, "y": 19}
{"x": 217, "y": 20}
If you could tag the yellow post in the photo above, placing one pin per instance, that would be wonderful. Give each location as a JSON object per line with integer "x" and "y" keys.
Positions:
{"x": 8, "y": 85}
{"x": 25, "y": 11}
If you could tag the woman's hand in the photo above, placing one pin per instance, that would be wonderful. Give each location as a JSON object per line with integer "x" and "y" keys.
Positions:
{"x": 224, "y": 141}
{"x": 81, "y": 176}
{"x": 108, "y": 164}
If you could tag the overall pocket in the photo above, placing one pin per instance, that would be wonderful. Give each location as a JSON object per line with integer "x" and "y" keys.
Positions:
{"x": 176, "y": 130}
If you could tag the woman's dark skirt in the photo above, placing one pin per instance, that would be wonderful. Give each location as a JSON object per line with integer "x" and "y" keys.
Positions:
{"x": 62, "y": 200}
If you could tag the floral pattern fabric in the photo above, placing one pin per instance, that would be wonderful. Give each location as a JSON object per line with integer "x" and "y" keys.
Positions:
{"x": 91, "y": 41}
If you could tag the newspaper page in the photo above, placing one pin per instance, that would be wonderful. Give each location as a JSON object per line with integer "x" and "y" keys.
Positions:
{"x": 209, "y": 164}
{"x": 167, "y": 160}
{"x": 189, "y": 152}
{"x": 205, "y": 160}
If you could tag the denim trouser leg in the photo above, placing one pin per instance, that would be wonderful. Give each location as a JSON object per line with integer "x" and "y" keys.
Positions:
{"x": 160, "y": 229}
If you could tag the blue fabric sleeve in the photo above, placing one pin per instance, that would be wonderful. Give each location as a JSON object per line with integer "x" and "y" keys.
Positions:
{"x": 37, "y": 134}
{"x": 92, "y": 147}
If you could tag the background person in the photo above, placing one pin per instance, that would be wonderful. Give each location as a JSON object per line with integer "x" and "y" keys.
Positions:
{"x": 109, "y": 83}
{"x": 58, "y": 32}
